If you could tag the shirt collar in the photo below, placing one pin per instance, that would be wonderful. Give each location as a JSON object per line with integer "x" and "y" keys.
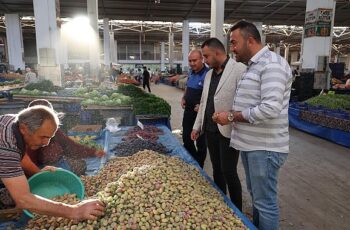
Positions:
{"x": 225, "y": 62}
{"x": 200, "y": 71}
{"x": 18, "y": 136}
{"x": 258, "y": 55}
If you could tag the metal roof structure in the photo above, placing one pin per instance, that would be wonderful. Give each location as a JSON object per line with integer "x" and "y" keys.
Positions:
{"x": 270, "y": 12}
{"x": 289, "y": 15}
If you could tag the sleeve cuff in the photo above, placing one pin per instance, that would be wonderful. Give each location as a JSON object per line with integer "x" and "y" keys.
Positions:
{"x": 246, "y": 115}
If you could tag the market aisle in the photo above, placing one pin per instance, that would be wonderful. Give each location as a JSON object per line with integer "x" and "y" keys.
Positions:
{"x": 314, "y": 183}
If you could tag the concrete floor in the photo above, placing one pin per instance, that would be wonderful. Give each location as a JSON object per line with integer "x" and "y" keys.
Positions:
{"x": 314, "y": 183}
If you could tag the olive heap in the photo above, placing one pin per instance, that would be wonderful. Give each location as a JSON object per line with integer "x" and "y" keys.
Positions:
{"x": 162, "y": 193}
{"x": 49, "y": 222}
{"x": 149, "y": 132}
{"x": 128, "y": 148}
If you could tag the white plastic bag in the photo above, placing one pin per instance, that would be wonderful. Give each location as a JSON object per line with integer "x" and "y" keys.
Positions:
{"x": 112, "y": 125}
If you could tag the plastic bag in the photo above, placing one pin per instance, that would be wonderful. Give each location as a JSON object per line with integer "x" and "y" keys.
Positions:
{"x": 112, "y": 125}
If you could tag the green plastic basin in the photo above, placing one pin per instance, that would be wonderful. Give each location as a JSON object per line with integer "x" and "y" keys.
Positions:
{"x": 50, "y": 184}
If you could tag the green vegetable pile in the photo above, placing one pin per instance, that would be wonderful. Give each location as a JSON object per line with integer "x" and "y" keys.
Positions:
{"x": 13, "y": 82}
{"x": 90, "y": 144}
{"x": 34, "y": 92}
{"x": 115, "y": 99}
{"x": 145, "y": 103}
{"x": 131, "y": 90}
{"x": 336, "y": 101}
{"x": 44, "y": 85}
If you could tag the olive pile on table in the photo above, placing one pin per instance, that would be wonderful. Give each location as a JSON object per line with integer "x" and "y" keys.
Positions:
{"x": 153, "y": 191}
{"x": 137, "y": 139}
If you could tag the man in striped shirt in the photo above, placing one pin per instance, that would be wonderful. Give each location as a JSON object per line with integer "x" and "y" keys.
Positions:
{"x": 260, "y": 120}
{"x": 33, "y": 128}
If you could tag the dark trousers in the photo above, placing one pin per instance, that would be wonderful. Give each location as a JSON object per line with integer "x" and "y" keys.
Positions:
{"x": 146, "y": 83}
{"x": 198, "y": 152}
{"x": 224, "y": 160}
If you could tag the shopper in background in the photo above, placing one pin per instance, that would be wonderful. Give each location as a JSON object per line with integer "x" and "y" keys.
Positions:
{"x": 260, "y": 117}
{"x": 146, "y": 78}
{"x": 190, "y": 103}
{"x": 19, "y": 71}
{"x": 218, "y": 91}
{"x": 30, "y": 76}
{"x": 33, "y": 128}
{"x": 62, "y": 152}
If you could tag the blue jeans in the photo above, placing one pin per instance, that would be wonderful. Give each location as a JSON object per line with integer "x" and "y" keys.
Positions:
{"x": 261, "y": 169}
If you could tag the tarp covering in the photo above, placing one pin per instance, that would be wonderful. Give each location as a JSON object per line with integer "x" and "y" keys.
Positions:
{"x": 110, "y": 140}
{"x": 334, "y": 135}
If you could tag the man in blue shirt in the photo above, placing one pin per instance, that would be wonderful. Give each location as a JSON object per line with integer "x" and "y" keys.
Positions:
{"x": 190, "y": 103}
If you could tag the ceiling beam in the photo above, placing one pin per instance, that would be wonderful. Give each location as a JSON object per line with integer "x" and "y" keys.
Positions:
{"x": 148, "y": 8}
{"x": 235, "y": 10}
{"x": 103, "y": 8}
{"x": 4, "y": 7}
{"x": 271, "y": 3}
{"x": 191, "y": 10}
{"x": 296, "y": 15}
{"x": 275, "y": 11}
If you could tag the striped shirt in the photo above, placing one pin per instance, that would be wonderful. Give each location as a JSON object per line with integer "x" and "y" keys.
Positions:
{"x": 263, "y": 97}
{"x": 11, "y": 151}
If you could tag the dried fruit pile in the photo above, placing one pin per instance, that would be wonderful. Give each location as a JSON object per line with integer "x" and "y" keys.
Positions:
{"x": 129, "y": 148}
{"x": 149, "y": 132}
{"x": 49, "y": 222}
{"x": 162, "y": 193}
{"x": 115, "y": 168}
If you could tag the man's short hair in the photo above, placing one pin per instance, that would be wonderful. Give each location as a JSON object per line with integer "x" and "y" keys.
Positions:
{"x": 35, "y": 116}
{"x": 247, "y": 29}
{"x": 214, "y": 43}
{"x": 196, "y": 51}
{"x": 40, "y": 102}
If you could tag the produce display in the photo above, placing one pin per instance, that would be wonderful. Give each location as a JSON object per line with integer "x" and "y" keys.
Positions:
{"x": 131, "y": 91}
{"x": 90, "y": 143}
{"x": 42, "y": 88}
{"x": 115, "y": 168}
{"x": 149, "y": 132}
{"x": 66, "y": 92}
{"x": 338, "y": 84}
{"x": 115, "y": 99}
{"x": 151, "y": 105}
{"x": 326, "y": 121}
{"x": 43, "y": 85}
{"x": 34, "y": 92}
{"x": 145, "y": 103}
{"x": 11, "y": 82}
{"x": 128, "y": 148}
{"x": 336, "y": 101}
{"x": 162, "y": 193}
{"x": 94, "y": 97}
{"x": 331, "y": 110}
{"x": 48, "y": 222}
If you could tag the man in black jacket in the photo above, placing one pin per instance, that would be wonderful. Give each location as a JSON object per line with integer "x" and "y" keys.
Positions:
{"x": 146, "y": 77}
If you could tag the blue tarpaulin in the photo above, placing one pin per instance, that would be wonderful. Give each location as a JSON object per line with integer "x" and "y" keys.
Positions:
{"x": 109, "y": 140}
{"x": 334, "y": 135}
{"x": 176, "y": 149}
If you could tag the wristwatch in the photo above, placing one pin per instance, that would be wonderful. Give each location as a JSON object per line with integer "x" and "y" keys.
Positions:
{"x": 230, "y": 117}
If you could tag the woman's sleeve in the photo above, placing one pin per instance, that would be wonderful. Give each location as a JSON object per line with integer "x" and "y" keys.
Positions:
{"x": 72, "y": 148}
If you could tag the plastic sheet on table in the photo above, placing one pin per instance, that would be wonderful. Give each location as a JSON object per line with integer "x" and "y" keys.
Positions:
{"x": 334, "y": 135}
{"x": 177, "y": 150}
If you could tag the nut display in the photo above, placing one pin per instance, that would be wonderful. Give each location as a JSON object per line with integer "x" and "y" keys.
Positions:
{"x": 50, "y": 222}
{"x": 151, "y": 191}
